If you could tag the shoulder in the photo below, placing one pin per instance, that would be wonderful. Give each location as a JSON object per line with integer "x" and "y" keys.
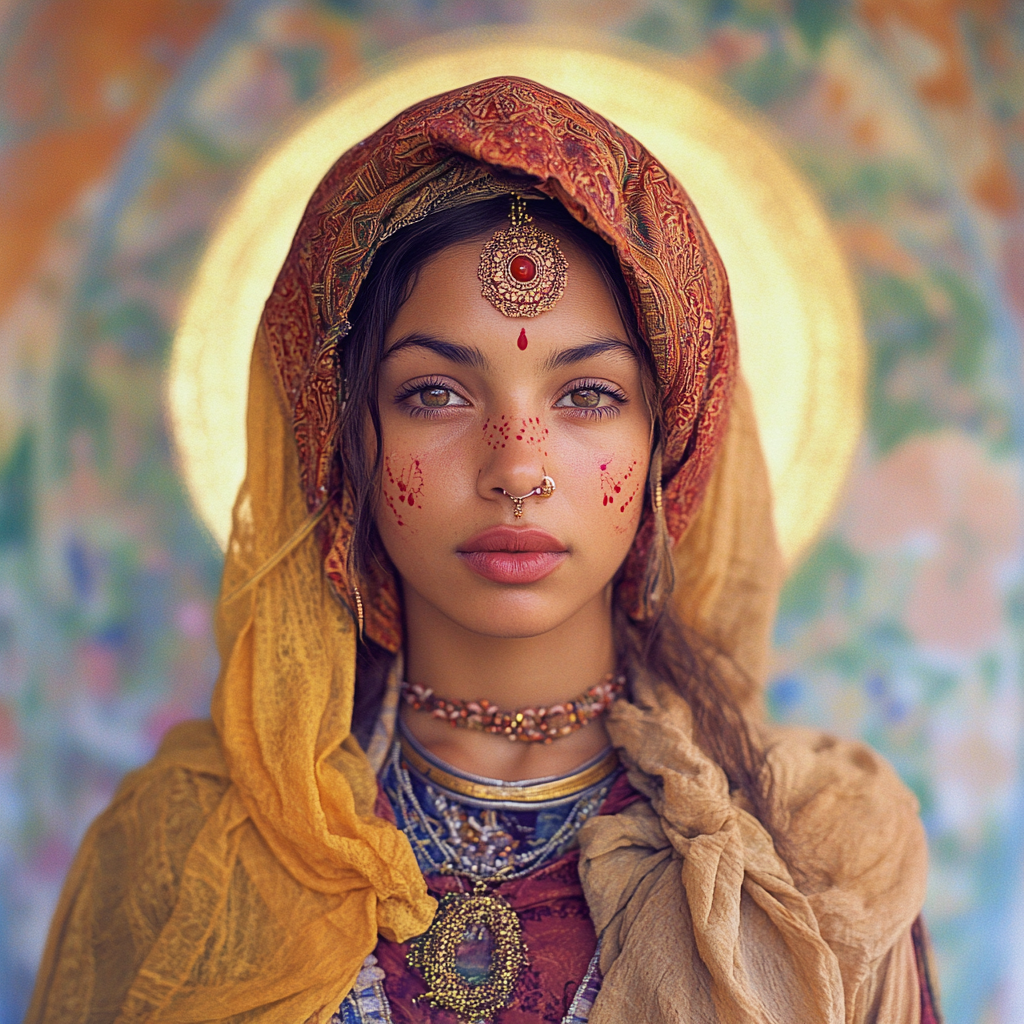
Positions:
{"x": 847, "y": 826}
{"x": 177, "y": 790}
{"x": 816, "y": 777}
{"x": 134, "y": 852}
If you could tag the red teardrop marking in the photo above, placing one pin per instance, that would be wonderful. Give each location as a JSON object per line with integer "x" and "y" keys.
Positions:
{"x": 522, "y": 342}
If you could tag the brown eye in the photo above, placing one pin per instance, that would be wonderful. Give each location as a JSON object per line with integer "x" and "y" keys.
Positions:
{"x": 585, "y": 398}
{"x": 435, "y": 397}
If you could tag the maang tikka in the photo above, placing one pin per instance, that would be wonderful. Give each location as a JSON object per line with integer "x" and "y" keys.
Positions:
{"x": 522, "y": 270}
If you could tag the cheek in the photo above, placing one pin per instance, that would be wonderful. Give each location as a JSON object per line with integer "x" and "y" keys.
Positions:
{"x": 620, "y": 483}
{"x": 497, "y": 430}
{"x": 403, "y": 486}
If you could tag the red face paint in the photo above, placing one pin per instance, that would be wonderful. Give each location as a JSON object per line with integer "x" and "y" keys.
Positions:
{"x": 496, "y": 433}
{"x": 404, "y": 488}
{"x": 612, "y": 486}
{"x": 522, "y": 342}
{"x": 533, "y": 432}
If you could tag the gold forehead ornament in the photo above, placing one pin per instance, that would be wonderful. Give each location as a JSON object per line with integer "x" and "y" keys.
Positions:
{"x": 522, "y": 270}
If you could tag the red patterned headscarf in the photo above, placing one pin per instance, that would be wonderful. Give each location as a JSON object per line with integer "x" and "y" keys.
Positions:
{"x": 447, "y": 151}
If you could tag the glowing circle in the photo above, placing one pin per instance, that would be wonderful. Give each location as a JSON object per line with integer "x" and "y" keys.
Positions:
{"x": 801, "y": 344}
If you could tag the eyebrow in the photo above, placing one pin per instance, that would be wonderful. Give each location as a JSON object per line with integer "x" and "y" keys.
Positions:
{"x": 464, "y": 355}
{"x": 461, "y": 354}
{"x": 577, "y": 354}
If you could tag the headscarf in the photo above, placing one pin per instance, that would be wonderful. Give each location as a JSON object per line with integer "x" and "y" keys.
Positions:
{"x": 478, "y": 142}
{"x": 241, "y": 875}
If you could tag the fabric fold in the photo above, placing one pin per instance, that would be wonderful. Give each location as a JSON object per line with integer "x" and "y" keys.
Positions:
{"x": 760, "y": 948}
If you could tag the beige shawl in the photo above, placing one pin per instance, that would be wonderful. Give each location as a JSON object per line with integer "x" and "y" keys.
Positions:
{"x": 702, "y": 917}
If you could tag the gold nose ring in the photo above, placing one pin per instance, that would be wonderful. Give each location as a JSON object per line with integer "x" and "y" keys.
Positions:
{"x": 545, "y": 490}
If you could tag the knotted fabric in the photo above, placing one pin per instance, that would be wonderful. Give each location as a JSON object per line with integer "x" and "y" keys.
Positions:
{"x": 703, "y": 920}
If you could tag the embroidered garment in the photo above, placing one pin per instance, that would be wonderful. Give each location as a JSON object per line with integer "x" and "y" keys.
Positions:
{"x": 424, "y": 811}
{"x": 368, "y": 1004}
{"x": 480, "y": 839}
{"x": 563, "y": 977}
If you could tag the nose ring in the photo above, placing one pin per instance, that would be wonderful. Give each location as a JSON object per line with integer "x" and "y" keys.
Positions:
{"x": 545, "y": 490}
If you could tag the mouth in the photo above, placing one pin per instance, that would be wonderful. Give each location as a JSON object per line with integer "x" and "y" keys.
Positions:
{"x": 505, "y": 554}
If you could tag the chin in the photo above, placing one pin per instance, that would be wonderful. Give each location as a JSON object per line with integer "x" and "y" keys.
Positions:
{"x": 514, "y": 619}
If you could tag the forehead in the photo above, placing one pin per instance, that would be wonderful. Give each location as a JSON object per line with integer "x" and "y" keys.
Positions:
{"x": 446, "y": 301}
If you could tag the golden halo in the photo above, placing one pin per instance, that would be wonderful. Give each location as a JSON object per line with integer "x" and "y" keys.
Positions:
{"x": 801, "y": 344}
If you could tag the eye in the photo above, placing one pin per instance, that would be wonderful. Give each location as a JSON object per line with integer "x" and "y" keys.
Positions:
{"x": 423, "y": 396}
{"x": 597, "y": 398}
{"x": 436, "y": 397}
{"x": 585, "y": 398}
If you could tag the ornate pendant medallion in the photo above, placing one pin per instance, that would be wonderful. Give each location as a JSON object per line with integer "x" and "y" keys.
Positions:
{"x": 471, "y": 956}
{"x": 522, "y": 270}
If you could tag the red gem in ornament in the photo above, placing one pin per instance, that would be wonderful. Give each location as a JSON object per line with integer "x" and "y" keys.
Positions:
{"x": 522, "y": 342}
{"x": 522, "y": 268}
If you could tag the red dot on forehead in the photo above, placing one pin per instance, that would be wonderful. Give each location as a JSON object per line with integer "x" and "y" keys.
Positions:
{"x": 522, "y": 268}
{"x": 522, "y": 342}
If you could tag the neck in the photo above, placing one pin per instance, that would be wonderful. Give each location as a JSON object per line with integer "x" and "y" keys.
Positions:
{"x": 513, "y": 673}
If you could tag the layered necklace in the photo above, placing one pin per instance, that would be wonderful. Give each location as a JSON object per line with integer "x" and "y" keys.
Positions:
{"x": 473, "y": 954}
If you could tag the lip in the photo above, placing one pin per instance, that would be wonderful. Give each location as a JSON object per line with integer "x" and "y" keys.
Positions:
{"x": 505, "y": 554}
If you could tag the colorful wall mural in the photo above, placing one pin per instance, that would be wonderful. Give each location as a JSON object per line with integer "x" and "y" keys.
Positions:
{"x": 125, "y": 127}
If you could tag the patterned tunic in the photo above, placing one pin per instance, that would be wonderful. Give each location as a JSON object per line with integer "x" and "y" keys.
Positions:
{"x": 534, "y": 846}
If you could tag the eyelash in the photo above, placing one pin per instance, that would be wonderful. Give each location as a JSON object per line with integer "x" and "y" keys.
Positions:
{"x": 414, "y": 387}
{"x": 425, "y": 384}
{"x": 601, "y": 388}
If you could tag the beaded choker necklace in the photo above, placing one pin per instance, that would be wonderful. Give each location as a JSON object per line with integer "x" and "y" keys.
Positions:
{"x": 533, "y": 725}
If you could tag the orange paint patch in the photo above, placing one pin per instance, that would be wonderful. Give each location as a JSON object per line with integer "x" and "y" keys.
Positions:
{"x": 99, "y": 58}
{"x": 993, "y": 186}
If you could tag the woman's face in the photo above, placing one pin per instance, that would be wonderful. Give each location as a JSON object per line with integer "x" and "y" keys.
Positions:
{"x": 469, "y": 414}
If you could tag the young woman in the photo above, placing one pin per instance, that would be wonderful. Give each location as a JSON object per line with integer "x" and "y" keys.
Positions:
{"x": 486, "y": 743}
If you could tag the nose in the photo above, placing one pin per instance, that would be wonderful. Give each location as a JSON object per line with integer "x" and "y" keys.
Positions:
{"x": 514, "y": 467}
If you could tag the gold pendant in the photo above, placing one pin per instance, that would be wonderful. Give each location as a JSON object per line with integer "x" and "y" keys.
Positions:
{"x": 471, "y": 956}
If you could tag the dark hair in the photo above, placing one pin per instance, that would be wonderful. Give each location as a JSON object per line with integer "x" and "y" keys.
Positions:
{"x": 662, "y": 645}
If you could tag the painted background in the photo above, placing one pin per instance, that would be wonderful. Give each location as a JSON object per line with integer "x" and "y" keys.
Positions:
{"x": 125, "y": 126}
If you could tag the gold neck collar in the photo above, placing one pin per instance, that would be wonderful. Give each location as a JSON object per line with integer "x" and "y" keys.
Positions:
{"x": 495, "y": 791}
